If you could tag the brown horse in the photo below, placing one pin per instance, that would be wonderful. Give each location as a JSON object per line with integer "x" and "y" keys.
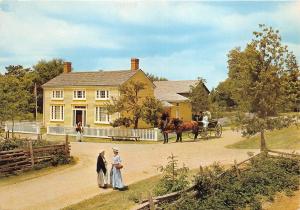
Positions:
{"x": 178, "y": 126}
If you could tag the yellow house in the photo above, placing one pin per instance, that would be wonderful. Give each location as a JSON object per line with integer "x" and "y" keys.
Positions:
{"x": 73, "y": 97}
{"x": 174, "y": 96}
{"x": 82, "y": 96}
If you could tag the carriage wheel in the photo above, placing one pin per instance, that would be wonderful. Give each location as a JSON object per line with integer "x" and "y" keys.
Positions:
{"x": 191, "y": 135}
{"x": 218, "y": 131}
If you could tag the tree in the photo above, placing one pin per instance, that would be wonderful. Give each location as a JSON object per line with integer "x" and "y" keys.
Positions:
{"x": 129, "y": 101}
{"x": 222, "y": 95}
{"x": 257, "y": 75}
{"x": 17, "y": 71}
{"x": 133, "y": 106}
{"x": 152, "y": 109}
{"x": 45, "y": 71}
{"x": 199, "y": 96}
{"x": 14, "y": 98}
{"x": 155, "y": 78}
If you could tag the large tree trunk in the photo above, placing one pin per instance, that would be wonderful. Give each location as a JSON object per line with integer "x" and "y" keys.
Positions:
{"x": 136, "y": 122}
{"x": 263, "y": 146}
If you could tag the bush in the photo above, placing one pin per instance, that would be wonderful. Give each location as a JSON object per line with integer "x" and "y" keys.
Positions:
{"x": 173, "y": 179}
{"x": 262, "y": 177}
{"x": 59, "y": 158}
{"x": 14, "y": 143}
{"x": 122, "y": 121}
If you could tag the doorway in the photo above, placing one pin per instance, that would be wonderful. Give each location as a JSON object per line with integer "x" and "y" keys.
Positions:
{"x": 79, "y": 115}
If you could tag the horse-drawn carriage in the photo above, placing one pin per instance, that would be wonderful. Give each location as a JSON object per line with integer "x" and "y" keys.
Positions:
{"x": 194, "y": 128}
{"x": 214, "y": 128}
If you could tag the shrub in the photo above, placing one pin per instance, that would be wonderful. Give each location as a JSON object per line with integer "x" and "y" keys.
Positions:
{"x": 14, "y": 143}
{"x": 59, "y": 158}
{"x": 263, "y": 176}
{"x": 122, "y": 121}
{"x": 173, "y": 179}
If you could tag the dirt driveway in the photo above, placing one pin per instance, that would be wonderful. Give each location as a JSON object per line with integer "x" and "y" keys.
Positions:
{"x": 74, "y": 184}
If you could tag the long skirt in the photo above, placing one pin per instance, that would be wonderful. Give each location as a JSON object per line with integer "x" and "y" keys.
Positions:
{"x": 116, "y": 178}
{"x": 78, "y": 136}
{"x": 102, "y": 179}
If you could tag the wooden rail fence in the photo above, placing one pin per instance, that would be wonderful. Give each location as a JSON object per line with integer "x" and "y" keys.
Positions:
{"x": 150, "y": 203}
{"x": 19, "y": 160}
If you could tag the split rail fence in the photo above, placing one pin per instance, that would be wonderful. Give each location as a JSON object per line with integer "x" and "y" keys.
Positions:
{"x": 152, "y": 201}
{"x": 19, "y": 160}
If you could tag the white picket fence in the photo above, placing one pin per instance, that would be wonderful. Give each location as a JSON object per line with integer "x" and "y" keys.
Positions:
{"x": 23, "y": 127}
{"x": 144, "y": 134}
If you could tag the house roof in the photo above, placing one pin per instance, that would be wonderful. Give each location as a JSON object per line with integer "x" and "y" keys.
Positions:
{"x": 100, "y": 78}
{"x": 170, "y": 90}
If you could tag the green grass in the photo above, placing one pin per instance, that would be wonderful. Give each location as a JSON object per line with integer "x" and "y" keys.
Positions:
{"x": 287, "y": 138}
{"x": 34, "y": 173}
{"x": 117, "y": 200}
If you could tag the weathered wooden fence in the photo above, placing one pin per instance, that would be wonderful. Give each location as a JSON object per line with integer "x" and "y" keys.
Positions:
{"x": 151, "y": 202}
{"x": 19, "y": 160}
{"x": 144, "y": 134}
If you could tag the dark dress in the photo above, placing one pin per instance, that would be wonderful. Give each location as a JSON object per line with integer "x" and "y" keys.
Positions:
{"x": 101, "y": 165}
{"x": 102, "y": 177}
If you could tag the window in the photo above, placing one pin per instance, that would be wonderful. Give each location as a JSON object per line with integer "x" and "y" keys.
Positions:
{"x": 57, "y": 94}
{"x": 79, "y": 94}
{"x": 57, "y": 112}
{"x": 101, "y": 115}
{"x": 102, "y": 94}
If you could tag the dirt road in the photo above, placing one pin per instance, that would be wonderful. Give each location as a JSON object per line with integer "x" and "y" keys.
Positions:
{"x": 74, "y": 184}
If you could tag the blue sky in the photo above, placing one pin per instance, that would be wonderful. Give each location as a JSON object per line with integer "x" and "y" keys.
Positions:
{"x": 174, "y": 39}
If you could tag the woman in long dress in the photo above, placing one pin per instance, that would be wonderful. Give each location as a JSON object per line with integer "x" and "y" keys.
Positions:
{"x": 79, "y": 132}
{"x": 116, "y": 176}
{"x": 102, "y": 177}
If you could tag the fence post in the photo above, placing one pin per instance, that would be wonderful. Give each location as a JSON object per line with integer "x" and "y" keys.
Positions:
{"x": 31, "y": 153}
{"x": 155, "y": 134}
{"x": 38, "y": 132}
{"x": 151, "y": 203}
{"x": 237, "y": 170}
{"x": 67, "y": 145}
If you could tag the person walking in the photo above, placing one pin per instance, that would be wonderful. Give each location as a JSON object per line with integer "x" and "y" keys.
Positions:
{"x": 116, "y": 176}
{"x": 79, "y": 131}
{"x": 101, "y": 169}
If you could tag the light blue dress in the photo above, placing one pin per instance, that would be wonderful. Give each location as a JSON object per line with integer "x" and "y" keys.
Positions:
{"x": 116, "y": 177}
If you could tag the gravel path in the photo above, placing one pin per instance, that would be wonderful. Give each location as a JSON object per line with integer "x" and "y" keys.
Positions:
{"x": 74, "y": 184}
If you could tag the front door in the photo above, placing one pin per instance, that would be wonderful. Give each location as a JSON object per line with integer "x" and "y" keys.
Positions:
{"x": 78, "y": 116}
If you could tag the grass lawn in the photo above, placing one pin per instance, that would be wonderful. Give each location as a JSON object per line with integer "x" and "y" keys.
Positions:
{"x": 284, "y": 202}
{"x": 117, "y": 200}
{"x": 287, "y": 138}
{"x": 34, "y": 173}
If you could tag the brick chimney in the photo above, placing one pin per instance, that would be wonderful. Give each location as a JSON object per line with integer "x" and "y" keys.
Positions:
{"x": 67, "y": 67}
{"x": 134, "y": 64}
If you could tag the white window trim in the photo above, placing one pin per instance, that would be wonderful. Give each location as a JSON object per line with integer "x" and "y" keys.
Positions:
{"x": 107, "y": 95}
{"x": 62, "y": 98}
{"x": 108, "y": 117}
{"x": 62, "y": 115}
{"x": 76, "y": 94}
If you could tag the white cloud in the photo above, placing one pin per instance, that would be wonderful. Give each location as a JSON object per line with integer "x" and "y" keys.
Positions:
{"x": 35, "y": 30}
{"x": 36, "y": 34}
